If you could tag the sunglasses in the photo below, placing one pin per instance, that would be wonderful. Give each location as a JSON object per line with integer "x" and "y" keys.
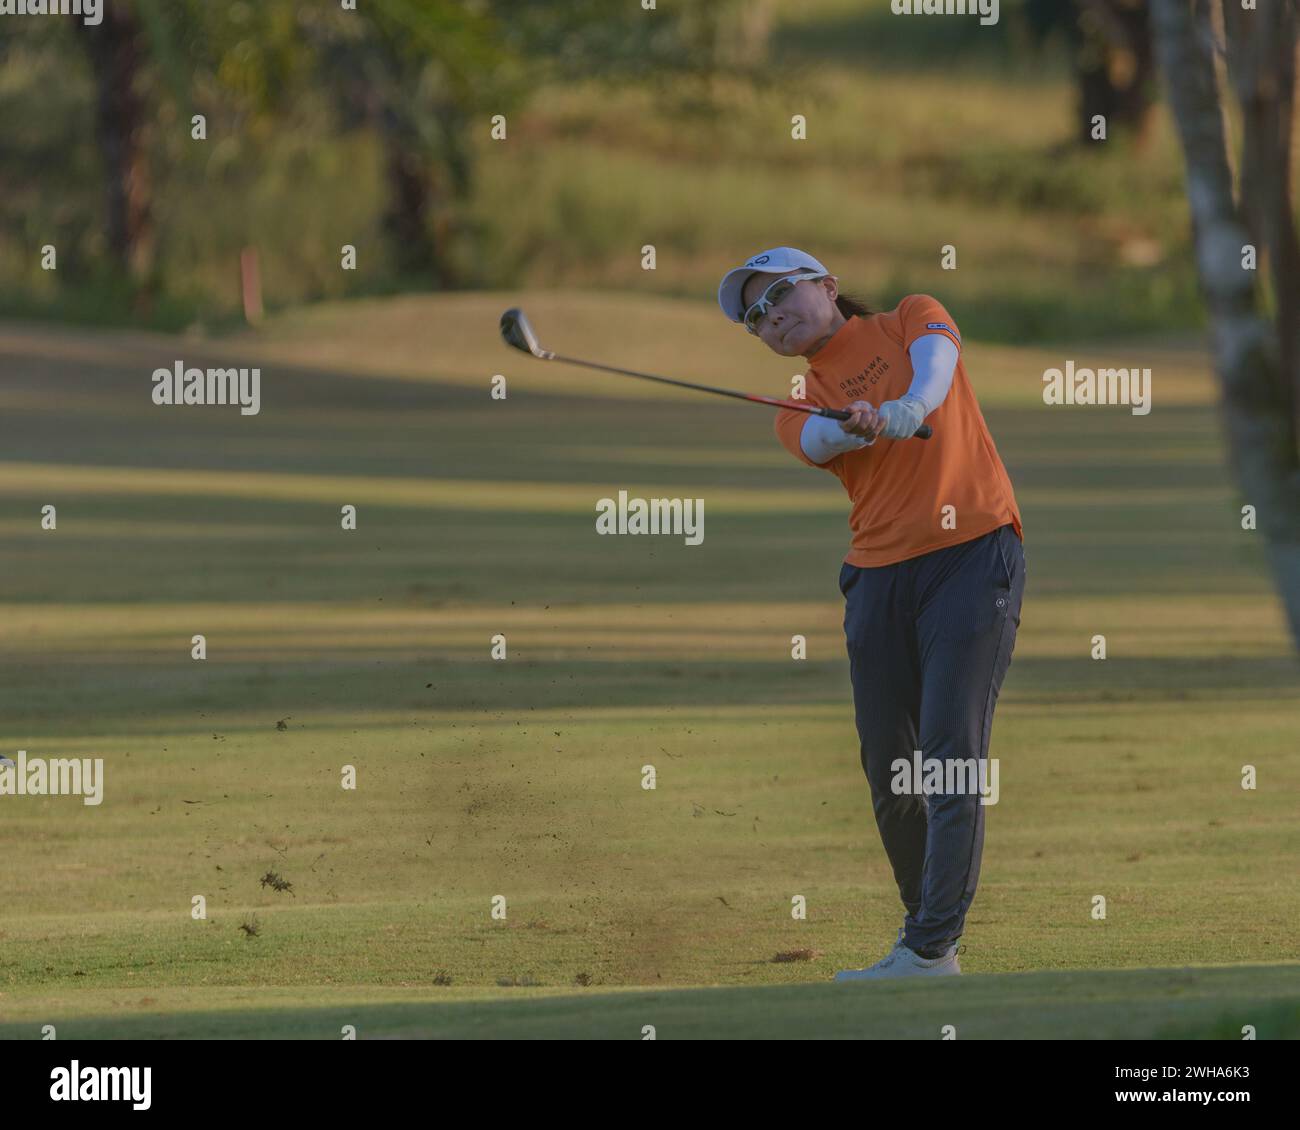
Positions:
{"x": 772, "y": 296}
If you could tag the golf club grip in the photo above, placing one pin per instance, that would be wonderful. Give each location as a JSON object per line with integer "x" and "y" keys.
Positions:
{"x": 923, "y": 432}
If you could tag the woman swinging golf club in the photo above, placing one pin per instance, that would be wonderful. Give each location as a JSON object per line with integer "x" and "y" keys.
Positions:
{"x": 933, "y": 579}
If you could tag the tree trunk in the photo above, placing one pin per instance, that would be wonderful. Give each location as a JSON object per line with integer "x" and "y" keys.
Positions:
{"x": 406, "y": 210}
{"x": 1258, "y": 400}
{"x": 1114, "y": 60}
{"x": 116, "y": 50}
{"x": 1262, "y": 71}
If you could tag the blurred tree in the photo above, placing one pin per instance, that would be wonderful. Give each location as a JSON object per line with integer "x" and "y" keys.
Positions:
{"x": 749, "y": 43}
{"x": 118, "y": 52}
{"x": 1257, "y": 359}
{"x": 1113, "y": 58}
{"x": 1115, "y": 65}
{"x": 425, "y": 76}
{"x": 400, "y": 67}
{"x": 678, "y": 49}
{"x": 420, "y": 75}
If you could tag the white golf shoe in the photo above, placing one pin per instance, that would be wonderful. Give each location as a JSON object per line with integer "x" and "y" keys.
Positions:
{"x": 903, "y": 962}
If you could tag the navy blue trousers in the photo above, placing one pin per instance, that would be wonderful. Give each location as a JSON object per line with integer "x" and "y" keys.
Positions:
{"x": 929, "y": 641}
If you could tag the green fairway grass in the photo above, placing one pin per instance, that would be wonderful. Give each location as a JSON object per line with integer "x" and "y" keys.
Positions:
{"x": 1127, "y": 1005}
{"x": 522, "y": 777}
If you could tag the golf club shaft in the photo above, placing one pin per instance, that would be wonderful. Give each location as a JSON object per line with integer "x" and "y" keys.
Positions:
{"x": 923, "y": 432}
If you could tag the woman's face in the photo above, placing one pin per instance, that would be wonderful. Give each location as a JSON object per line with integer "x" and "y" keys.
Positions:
{"x": 803, "y": 321}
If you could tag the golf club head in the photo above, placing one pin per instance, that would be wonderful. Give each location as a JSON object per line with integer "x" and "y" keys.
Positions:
{"x": 517, "y": 331}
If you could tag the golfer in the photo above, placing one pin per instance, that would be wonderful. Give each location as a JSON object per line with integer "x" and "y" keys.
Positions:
{"x": 933, "y": 579}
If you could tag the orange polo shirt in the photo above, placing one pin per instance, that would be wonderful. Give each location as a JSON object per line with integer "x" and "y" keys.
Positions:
{"x": 908, "y": 496}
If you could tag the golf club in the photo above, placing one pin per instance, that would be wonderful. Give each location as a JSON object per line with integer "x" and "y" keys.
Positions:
{"x": 518, "y": 332}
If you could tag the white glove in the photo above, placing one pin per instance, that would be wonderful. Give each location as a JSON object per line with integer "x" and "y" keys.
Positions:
{"x": 903, "y": 416}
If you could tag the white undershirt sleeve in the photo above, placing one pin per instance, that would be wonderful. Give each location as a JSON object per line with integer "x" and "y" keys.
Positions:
{"x": 934, "y": 361}
{"x": 823, "y": 439}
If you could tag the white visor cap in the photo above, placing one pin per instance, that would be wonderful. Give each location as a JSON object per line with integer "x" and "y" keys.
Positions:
{"x": 779, "y": 260}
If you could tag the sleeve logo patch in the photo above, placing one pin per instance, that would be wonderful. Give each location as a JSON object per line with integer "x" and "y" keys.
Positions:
{"x": 938, "y": 326}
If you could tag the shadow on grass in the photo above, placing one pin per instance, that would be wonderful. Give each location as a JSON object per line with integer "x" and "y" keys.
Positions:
{"x": 175, "y": 698}
{"x": 1187, "y": 1003}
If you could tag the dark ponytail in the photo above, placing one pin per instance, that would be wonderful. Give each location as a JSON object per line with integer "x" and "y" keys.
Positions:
{"x": 848, "y": 305}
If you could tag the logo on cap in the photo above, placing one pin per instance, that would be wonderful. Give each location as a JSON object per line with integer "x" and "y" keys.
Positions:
{"x": 756, "y": 262}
